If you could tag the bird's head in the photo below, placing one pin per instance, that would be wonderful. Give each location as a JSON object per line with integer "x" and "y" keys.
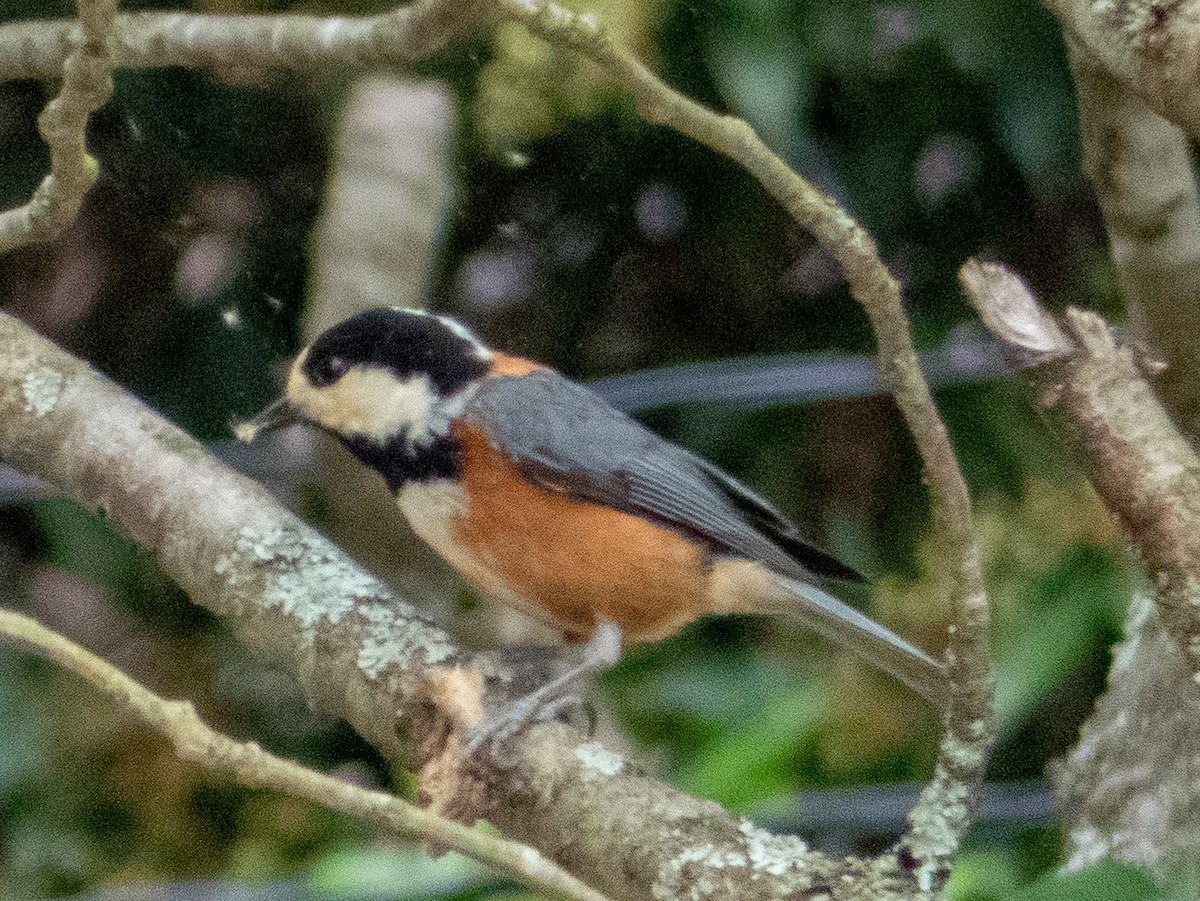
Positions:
{"x": 379, "y": 377}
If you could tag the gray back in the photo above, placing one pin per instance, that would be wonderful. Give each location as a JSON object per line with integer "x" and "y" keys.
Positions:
{"x": 564, "y": 437}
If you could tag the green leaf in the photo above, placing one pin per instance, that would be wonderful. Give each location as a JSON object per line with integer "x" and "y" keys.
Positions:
{"x": 1106, "y": 881}
{"x": 1072, "y": 616}
{"x": 983, "y": 874}
{"x": 756, "y": 759}
{"x": 364, "y": 873}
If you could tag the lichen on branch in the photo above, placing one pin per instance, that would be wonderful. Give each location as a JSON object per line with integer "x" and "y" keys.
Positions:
{"x": 1148, "y": 45}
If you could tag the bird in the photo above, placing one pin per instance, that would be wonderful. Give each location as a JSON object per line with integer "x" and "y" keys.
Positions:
{"x": 546, "y": 498}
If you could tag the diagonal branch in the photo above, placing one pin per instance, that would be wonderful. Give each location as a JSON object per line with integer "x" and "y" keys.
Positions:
{"x": 1092, "y": 383}
{"x": 364, "y": 654}
{"x": 1148, "y": 46}
{"x": 944, "y": 812}
{"x": 252, "y": 766}
{"x": 86, "y": 86}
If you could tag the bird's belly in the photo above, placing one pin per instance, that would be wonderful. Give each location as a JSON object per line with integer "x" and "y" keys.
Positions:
{"x": 565, "y": 562}
{"x": 433, "y": 509}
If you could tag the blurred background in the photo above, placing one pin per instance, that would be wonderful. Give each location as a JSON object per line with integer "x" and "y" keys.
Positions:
{"x": 239, "y": 210}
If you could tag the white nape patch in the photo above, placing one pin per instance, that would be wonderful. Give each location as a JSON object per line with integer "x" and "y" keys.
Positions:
{"x": 463, "y": 332}
{"x": 455, "y": 327}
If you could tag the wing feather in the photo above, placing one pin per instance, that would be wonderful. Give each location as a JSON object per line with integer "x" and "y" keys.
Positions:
{"x": 563, "y": 436}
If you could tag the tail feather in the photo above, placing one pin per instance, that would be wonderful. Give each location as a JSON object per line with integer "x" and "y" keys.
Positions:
{"x": 857, "y": 632}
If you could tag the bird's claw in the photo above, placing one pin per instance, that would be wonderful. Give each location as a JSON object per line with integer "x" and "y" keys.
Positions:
{"x": 498, "y": 733}
{"x": 553, "y": 699}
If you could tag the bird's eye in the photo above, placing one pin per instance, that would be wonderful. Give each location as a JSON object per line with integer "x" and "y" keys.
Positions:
{"x": 327, "y": 371}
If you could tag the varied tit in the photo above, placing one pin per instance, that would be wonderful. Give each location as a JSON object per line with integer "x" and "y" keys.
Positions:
{"x": 546, "y": 498}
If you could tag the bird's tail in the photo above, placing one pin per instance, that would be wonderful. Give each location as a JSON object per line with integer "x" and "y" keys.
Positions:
{"x": 847, "y": 627}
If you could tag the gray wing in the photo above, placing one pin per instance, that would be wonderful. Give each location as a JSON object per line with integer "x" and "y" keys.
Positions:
{"x": 565, "y": 437}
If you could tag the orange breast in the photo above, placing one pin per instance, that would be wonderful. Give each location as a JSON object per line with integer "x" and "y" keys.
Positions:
{"x": 575, "y": 562}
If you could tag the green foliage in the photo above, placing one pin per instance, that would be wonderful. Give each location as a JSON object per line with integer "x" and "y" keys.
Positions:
{"x": 993, "y": 877}
{"x": 1103, "y": 882}
{"x": 1078, "y": 606}
{"x": 364, "y": 874}
{"x": 732, "y": 726}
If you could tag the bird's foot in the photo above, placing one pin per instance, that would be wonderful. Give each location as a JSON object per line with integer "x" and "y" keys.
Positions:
{"x": 538, "y": 707}
{"x": 550, "y": 702}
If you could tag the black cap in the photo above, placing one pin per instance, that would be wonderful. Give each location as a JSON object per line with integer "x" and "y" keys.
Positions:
{"x": 405, "y": 341}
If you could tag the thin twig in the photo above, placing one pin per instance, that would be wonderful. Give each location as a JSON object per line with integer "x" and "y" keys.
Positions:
{"x": 944, "y": 812}
{"x": 86, "y": 86}
{"x": 252, "y": 766}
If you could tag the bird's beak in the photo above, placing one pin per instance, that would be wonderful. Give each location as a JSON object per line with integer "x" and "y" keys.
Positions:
{"x": 278, "y": 415}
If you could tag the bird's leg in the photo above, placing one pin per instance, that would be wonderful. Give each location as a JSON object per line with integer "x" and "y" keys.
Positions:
{"x": 602, "y": 651}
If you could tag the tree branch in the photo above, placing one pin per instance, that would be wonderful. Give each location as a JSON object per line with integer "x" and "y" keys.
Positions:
{"x": 1149, "y": 46}
{"x": 945, "y": 810}
{"x": 409, "y": 34}
{"x": 86, "y": 86}
{"x": 252, "y": 766}
{"x": 1141, "y": 167}
{"x": 387, "y": 195}
{"x": 1091, "y": 382}
{"x": 1123, "y": 796}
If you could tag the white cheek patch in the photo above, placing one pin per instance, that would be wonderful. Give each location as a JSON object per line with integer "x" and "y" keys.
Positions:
{"x": 370, "y": 402}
